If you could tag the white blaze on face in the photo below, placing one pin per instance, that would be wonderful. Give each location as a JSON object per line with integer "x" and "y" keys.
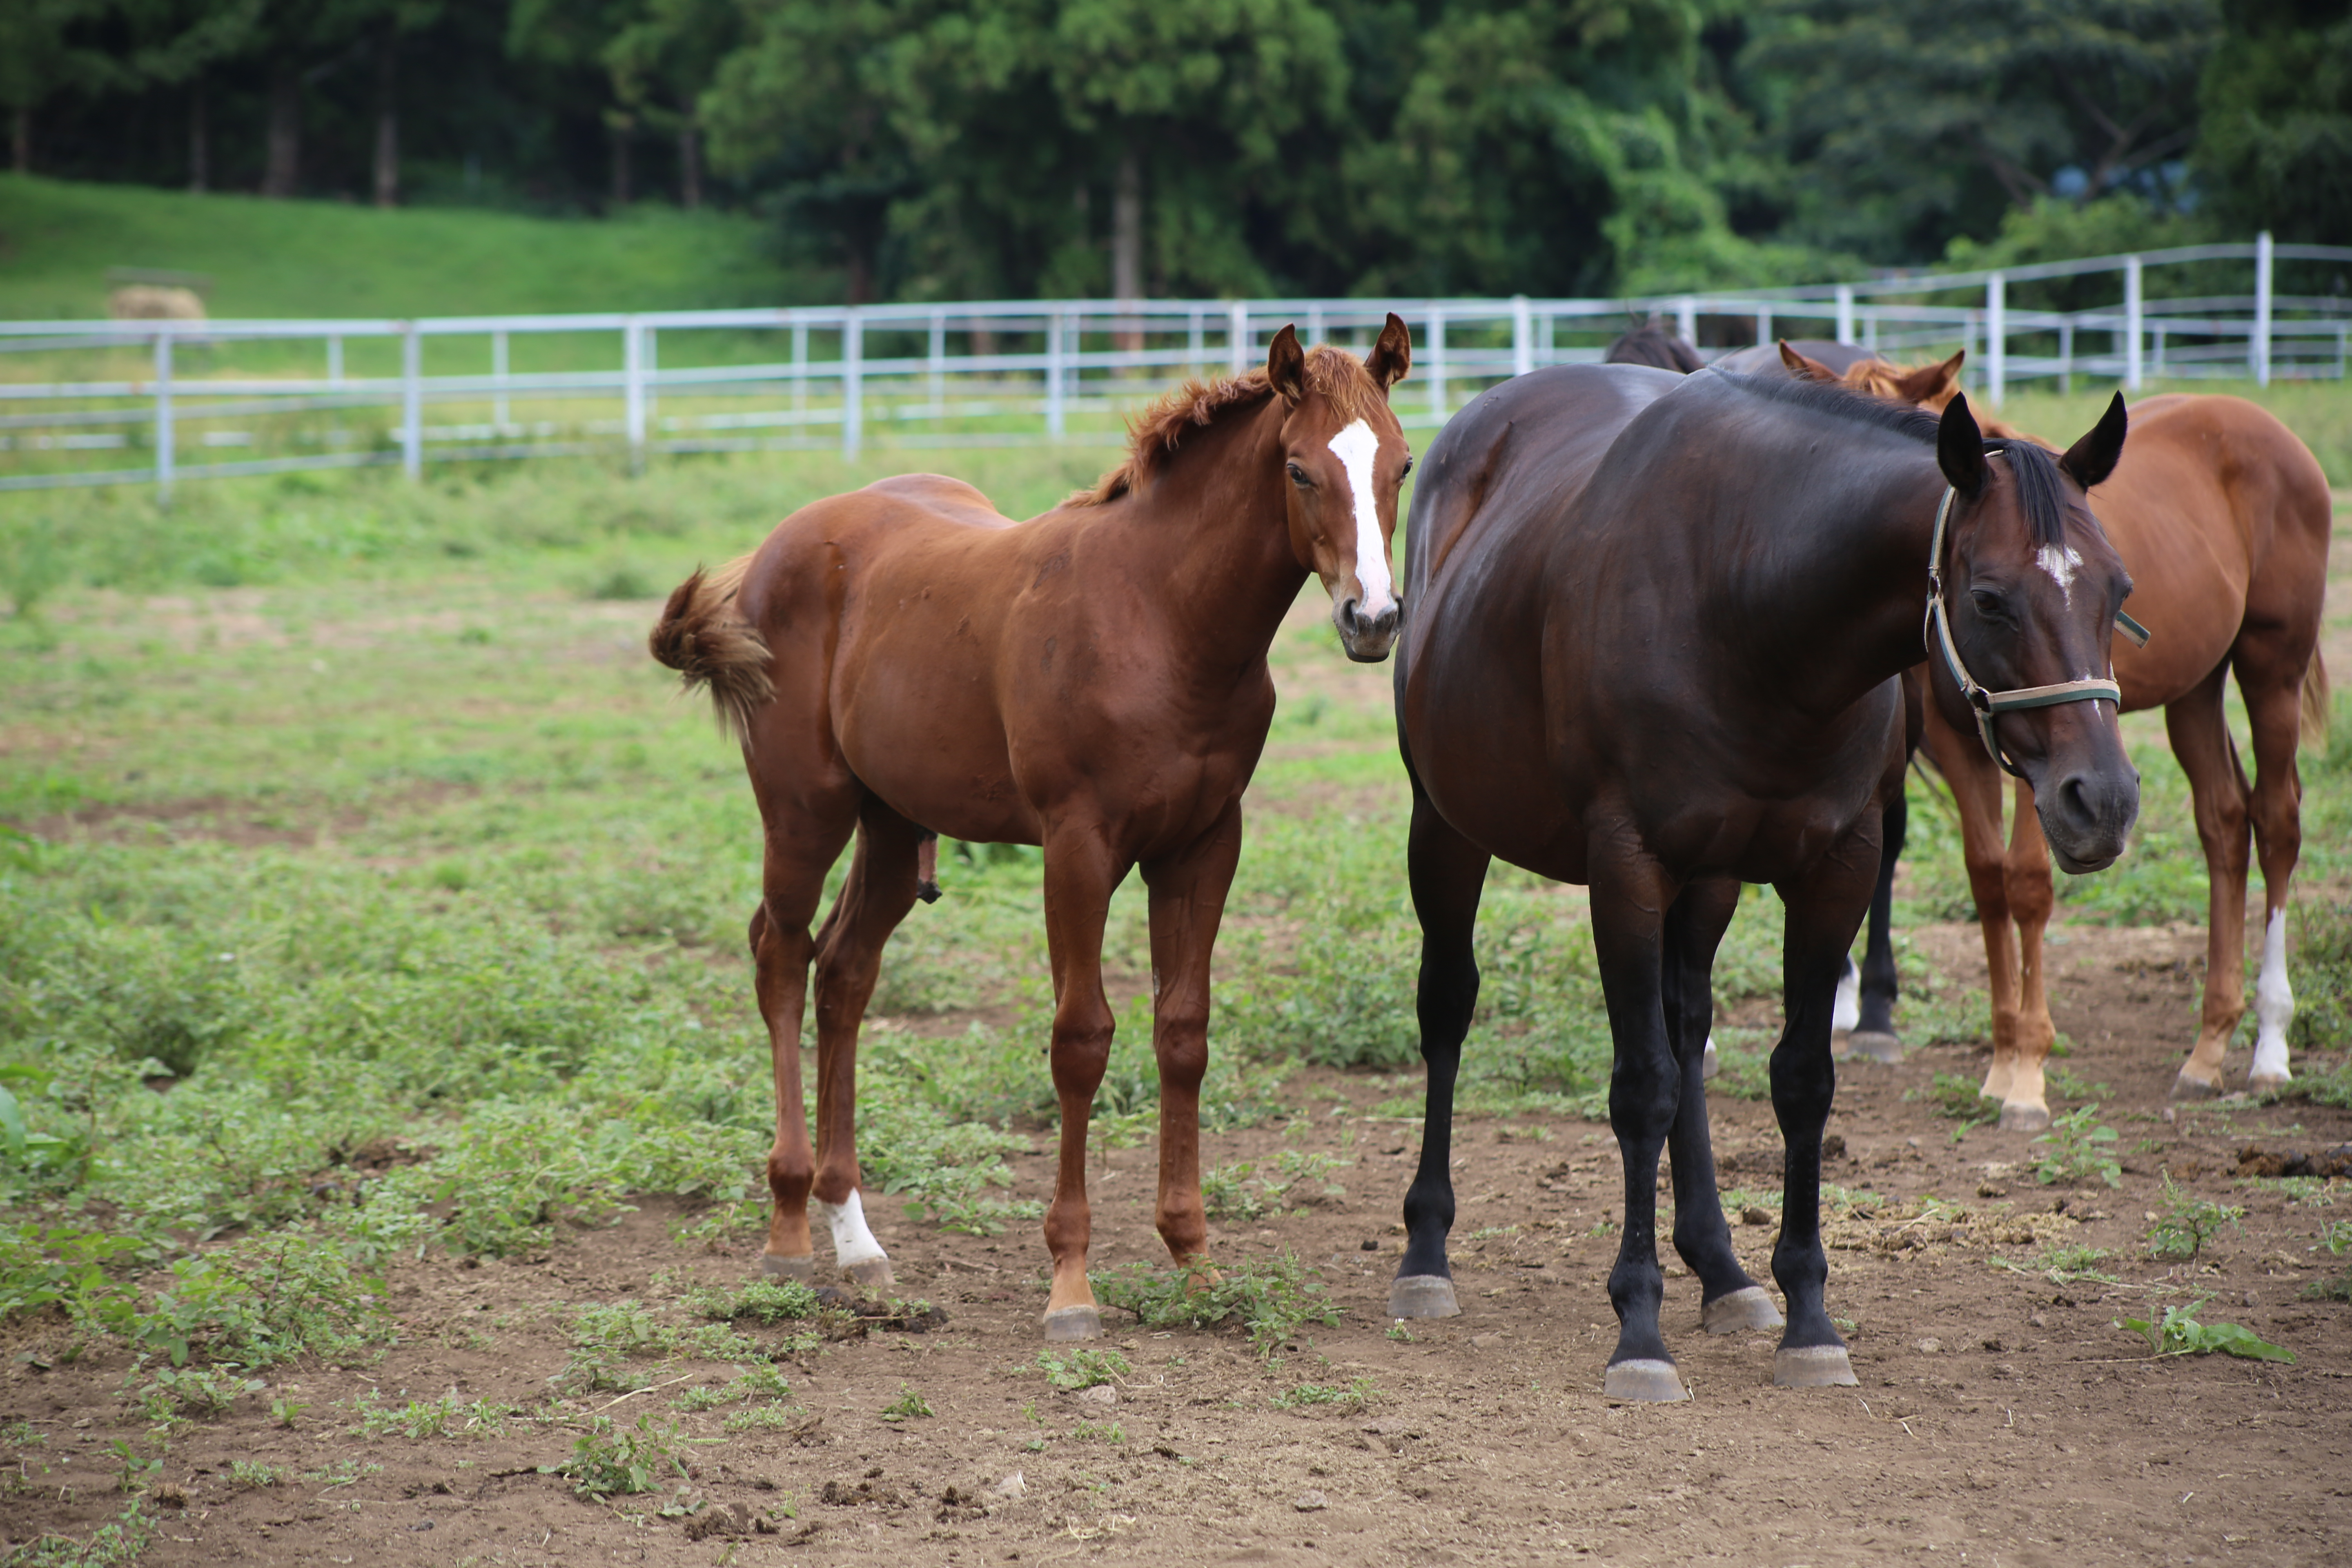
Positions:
{"x": 2060, "y": 561}
{"x": 2273, "y": 1003}
{"x": 1355, "y": 447}
{"x": 852, "y": 1242}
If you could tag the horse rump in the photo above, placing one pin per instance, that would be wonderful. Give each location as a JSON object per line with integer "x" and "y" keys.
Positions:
{"x": 700, "y": 637}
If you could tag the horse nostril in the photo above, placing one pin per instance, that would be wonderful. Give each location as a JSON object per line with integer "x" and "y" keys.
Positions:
{"x": 1350, "y": 621}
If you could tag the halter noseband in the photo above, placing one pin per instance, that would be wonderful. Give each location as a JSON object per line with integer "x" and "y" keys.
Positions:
{"x": 1990, "y": 705}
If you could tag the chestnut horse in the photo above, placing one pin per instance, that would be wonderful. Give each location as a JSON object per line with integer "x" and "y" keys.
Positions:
{"x": 2222, "y": 516}
{"x": 1656, "y": 627}
{"x": 903, "y": 661}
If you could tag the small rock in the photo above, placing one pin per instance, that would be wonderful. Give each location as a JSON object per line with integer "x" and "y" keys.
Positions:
{"x": 1372, "y": 1247}
{"x": 1756, "y": 1213}
{"x": 1100, "y": 1394}
{"x": 2035, "y": 1321}
{"x": 1987, "y": 1190}
{"x": 1308, "y": 1502}
{"x": 1485, "y": 1341}
{"x": 1930, "y": 1347}
{"x": 1993, "y": 1342}
{"x": 1010, "y": 1487}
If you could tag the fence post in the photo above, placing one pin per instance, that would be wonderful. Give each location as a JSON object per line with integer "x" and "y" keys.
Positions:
{"x": 1846, "y": 313}
{"x": 2132, "y": 328}
{"x": 938, "y": 363}
{"x": 1237, "y": 337}
{"x": 1437, "y": 361}
{"x": 1764, "y": 326}
{"x": 1996, "y": 338}
{"x": 633, "y": 391}
{"x": 335, "y": 360}
{"x": 1194, "y": 336}
{"x": 1523, "y": 337}
{"x": 501, "y": 413}
{"x": 2261, "y": 343}
{"x": 799, "y": 363}
{"x": 412, "y": 402}
{"x": 653, "y": 385}
{"x": 1054, "y": 418}
{"x": 2066, "y": 357}
{"x": 1314, "y": 325}
{"x": 165, "y": 434}
{"x": 853, "y": 381}
{"x": 1686, "y": 319}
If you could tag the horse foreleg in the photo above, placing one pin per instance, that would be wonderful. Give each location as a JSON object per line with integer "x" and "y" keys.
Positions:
{"x": 1188, "y": 900}
{"x": 2025, "y": 878}
{"x": 1976, "y": 790}
{"x": 1729, "y": 1300}
{"x": 2199, "y": 733}
{"x": 1823, "y": 910}
{"x": 1081, "y": 870}
{"x": 1447, "y": 873}
{"x": 876, "y": 895}
{"x": 2271, "y": 679}
{"x": 1630, "y": 896}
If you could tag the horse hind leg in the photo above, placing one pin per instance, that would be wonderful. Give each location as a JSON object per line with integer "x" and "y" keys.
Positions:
{"x": 1870, "y": 1031}
{"x": 780, "y": 950}
{"x": 2217, "y": 788}
{"x": 2273, "y": 683}
{"x": 879, "y": 891}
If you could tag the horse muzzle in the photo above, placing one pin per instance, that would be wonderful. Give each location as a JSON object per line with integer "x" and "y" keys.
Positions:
{"x": 1366, "y": 638}
{"x": 2087, "y": 816}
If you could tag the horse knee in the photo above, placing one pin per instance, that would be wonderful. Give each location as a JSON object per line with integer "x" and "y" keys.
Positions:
{"x": 791, "y": 1174}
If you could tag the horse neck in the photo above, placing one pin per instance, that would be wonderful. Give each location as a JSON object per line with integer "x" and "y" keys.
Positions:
{"x": 1215, "y": 523}
{"x": 1856, "y": 590}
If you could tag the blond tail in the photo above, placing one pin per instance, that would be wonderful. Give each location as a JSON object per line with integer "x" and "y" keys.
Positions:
{"x": 2316, "y": 702}
{"x": 700, "y": 637}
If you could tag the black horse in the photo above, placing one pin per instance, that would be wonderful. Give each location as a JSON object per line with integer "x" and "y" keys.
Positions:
{"x": 1651, "y": 344}
{"x": 1656, "y": 626}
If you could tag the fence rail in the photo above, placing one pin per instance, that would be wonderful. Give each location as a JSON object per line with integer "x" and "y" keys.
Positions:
{"x": 983, "y": 374}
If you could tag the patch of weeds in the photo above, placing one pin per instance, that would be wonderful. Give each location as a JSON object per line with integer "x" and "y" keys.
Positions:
{"x": 754, "y": 1382}
{"x": 192, "y": 1393}
{"x": 1354, "y": 1394}
{"x": 137, "y": 1470}
{"x": 1490, "y": 1233}
{"x": 1739, "y": 1198}
{"x": 1844, "y": 1202}
{"x": 1957, "y": 1098}
{"x": 341, "y": 1473}
{"x": 2321, "y": 963}
{"x": 252, "y": 1473}
{"x": 1070, "y": 1370}
{"x": 908, "y": 1406}
{"x": 764, "y": 1418}
{"x": 1400, "y": 1334}
{"x": 608, "y": 1461}
{"x": 422, "y": 1418}
{"x": 1300, "y": 1166}
{"x": 2179, "y": 1333}
{"x": 1091, "y": 1431}
{"x": 284, "y": 1411}
{"x": 2066, "y": 1082}
{"x": 2327, "y": 1086}
{"x": 2187, "y": 1222}
{"x": 1227, "y": 1193}
{"x": 2336, "y": 1242}
{"x": 2310, "y": 1192}
{"x": 2064, "y": 1265}
{"x": 1741, "y": 1074}
{"x": 2079, "y": 1147}
{"x": 118, "y": 1543}
{"x": 767, "y": 1301}
{"x": 1271, "y": 1298}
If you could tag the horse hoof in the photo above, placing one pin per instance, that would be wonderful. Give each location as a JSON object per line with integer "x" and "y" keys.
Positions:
{"x": 2267, "y": 1083}
{"x": 2187, "y": 1088}
{"x": 1644, "y": 1382}
{"x": 1813, "y": 1366}
{"x": 2024, "y": 1117}
{"x": 1422, "y": 1296}
{"x": 1744, "y": 1309}
{"x": 801, "y": 1271}
{"x": 1065, "y": 1324}
{"x": 874, "y": 1274}
{"x": 1873, "y": 1045}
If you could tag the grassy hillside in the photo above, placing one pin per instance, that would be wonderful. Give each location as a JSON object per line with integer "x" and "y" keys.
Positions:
{"x": 323, "y": 258}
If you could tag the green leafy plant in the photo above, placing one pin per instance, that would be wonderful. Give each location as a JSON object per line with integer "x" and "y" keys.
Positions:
{"x": 2336, "y": 1242}
{"x": 2179, "y": 1333}
{"x": 608, "y": 1461}
{"x": 2079, "y": 1147}
{"x": 194, "y": 1393}
{"x": 767, "y": 1301}
{"x": 1353, "y": 1394}
{"x": 2064, "y": 1265}
{"x": 1957, "y": 1098}
{"x": 2187, "y": 1222}
{"x": 1271, "y": 1298}
{"x": 252, "y": 1474}
{"x": 908, "y": 1406}
{"x": 1073, "y": 1369}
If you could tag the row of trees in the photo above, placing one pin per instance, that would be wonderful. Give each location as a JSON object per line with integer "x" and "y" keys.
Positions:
{"x": 1137, "y": 146}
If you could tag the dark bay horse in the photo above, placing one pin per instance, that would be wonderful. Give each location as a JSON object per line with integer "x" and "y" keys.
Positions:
{"x": 1652, "y": 345}
{"x": 2222, "y": 517}
{"x": 1656, "y": 627}
{"x": 902, "y": 661}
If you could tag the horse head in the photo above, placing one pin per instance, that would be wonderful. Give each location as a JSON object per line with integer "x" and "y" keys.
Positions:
{"x": 2029, "y": 588}
{"x": 1346, "y": 458}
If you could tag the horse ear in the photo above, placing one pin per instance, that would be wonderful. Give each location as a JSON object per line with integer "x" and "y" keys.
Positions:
{"x": 1926, "y": 382}
{"x": 1286, "y": 365}
{"x": 2094, "y": 457}
{"x": 1801, "y": 367}
{"x": 1960, "y": 446}
{"x": 1392, "y": 355}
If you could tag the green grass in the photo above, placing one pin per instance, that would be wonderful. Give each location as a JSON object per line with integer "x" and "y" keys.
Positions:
{"x": 316, "y": 259}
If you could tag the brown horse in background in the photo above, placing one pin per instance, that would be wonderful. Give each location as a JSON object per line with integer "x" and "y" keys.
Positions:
{"x": 2222, "y": 517}
{"x": 902, "y": 661}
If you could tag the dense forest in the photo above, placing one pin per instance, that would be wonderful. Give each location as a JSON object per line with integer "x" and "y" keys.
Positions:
{"x": 923, "y": 149}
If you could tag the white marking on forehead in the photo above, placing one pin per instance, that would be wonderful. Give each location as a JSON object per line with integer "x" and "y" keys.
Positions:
{"x": 1355, "y": 447}
{"x": 2060, "y": 561}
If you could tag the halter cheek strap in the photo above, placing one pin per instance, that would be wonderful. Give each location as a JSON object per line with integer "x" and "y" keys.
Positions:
{"x": 1990, "y": 705}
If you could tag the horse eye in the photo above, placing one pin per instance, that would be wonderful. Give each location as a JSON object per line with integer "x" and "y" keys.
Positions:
{"x": 1297, "y": 474}
{"x": 1989, "y": 605}
{"x": 1406, "y": 470}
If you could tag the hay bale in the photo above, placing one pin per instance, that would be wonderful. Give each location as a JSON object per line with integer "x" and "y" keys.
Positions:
{"x": 154, "y": 302}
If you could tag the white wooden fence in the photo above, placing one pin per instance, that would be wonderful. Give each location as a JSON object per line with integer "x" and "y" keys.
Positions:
{"x": 1004, "y": 373}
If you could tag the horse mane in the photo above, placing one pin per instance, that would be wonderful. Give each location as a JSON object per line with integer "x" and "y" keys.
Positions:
{"x": 2041, "y": 492}
{"x": 1153, "y": 436}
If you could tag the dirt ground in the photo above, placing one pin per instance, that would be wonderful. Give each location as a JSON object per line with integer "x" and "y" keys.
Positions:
{"x": 2002, "y": 1419}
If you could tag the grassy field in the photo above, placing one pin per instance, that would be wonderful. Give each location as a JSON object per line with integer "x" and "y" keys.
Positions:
{"x": 362, "y": 881}
{"x": 307, "y": 259}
